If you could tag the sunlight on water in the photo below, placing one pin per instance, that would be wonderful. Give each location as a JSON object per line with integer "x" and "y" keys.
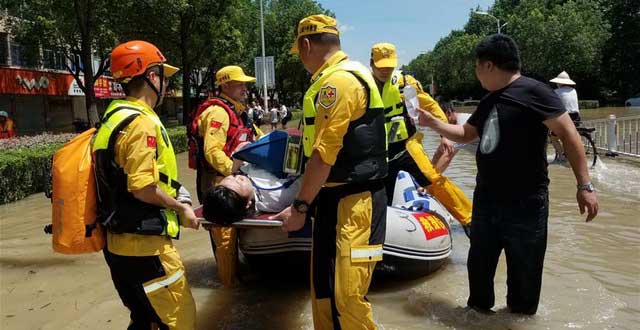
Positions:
{"x": 617, "y": 176}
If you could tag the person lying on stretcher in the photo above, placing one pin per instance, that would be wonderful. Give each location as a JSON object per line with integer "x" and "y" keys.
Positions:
{"x": 249, "y": 193}
{"x": 260, "y": 191}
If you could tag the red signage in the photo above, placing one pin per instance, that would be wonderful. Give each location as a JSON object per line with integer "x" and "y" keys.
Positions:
{"x": 32, "y": 82}
{"x": 431, "y": 225}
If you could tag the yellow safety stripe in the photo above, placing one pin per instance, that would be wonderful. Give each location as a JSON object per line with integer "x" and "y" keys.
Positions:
{"x": 366, "y": 253}
{"x": 166, "y": 282}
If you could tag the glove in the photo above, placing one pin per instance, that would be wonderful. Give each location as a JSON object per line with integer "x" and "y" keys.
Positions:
{"x": 184, "y": 196}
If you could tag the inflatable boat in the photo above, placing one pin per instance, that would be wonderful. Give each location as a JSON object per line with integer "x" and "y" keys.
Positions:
{"x": 418, "y": 236}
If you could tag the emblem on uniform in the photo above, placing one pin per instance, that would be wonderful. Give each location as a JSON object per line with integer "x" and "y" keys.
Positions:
{"x": 328, "y": 96}
{"x": 394, "y": 80}
{"x": 216, "y": 124}
{"x": 151, "y": 141}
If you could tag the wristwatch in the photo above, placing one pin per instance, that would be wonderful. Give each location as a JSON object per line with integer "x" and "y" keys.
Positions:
{"x": 587, "y": 186}
{"x": 300, "y": 206}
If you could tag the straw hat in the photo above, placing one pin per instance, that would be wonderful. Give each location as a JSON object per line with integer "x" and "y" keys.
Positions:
{"x": 563, "y": 78}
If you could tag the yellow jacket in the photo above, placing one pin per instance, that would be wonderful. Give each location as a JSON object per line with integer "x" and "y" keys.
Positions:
{"x": 213, "y": 125}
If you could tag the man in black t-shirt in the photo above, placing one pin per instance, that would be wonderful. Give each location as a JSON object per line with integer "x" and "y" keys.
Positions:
{"x": 510, "y": 202}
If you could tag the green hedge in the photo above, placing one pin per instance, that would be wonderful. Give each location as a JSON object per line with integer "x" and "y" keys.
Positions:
{"x": 26, "y": 171}
{"x": 588, "y": 104}
{"x": 23, "y": 172}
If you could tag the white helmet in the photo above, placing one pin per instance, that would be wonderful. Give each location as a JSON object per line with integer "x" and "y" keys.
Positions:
{"x": 4, "y": 114}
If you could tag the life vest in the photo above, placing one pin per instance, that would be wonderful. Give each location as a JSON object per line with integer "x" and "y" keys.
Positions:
{"x": 118, "y": 210}
{"x": 398, "y": 125}
{"x": 7, "y": 130}
{"x": 364, "y": 152}
{"x": 236, "y": 134}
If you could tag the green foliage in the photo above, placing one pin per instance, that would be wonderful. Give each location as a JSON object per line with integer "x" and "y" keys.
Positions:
{"x": 78, "y": 29}
{"x": 573, "y": 36}
{"x": 553, "y": 36}
{"x": 281, "y": 18}
{"x": 25, "y": 171}
{"x": 620, "y": 65}
{"x": 178, "y": 137}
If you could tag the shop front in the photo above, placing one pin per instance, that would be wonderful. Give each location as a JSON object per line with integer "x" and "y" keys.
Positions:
{"x": 39, "y": 101}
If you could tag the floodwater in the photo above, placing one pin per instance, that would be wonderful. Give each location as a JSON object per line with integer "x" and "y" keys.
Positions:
{"x": 591, "y": 275}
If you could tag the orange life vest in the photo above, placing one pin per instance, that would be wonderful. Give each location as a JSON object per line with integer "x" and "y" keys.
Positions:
{"x": 236, "y": 134}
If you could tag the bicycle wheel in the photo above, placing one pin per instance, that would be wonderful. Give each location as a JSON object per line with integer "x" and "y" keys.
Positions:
{"x": 590, "y": 148}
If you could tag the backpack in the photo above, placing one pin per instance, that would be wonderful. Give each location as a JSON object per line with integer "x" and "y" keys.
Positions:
{"x": 74, "y": 209}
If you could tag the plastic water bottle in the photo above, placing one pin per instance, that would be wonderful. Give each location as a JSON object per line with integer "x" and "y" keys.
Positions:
{"x": 411, "y": 101}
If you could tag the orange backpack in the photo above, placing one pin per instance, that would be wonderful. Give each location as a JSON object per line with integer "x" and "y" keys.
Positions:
{"x": 74, "y": 210}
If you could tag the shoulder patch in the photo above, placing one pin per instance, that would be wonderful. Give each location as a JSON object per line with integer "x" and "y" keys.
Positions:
{"x": 216, "y": 124}
{"x": 328, "y": 96}
{"x": 151, "y": 141}
{"x": 394, "y": 80}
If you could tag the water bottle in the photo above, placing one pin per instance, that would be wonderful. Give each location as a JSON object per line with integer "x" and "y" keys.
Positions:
{"x": 411, "y": 101}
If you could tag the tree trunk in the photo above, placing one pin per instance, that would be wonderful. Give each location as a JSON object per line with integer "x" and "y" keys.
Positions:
{"x": 84, "y": 11}
{"x": 89, "y": 82}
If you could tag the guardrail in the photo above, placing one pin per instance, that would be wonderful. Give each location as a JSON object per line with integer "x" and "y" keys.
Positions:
{"x": 616, "y": 135}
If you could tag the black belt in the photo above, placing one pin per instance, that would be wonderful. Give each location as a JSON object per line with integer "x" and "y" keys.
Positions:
{"x": 388, "y": 109}
{"x": 309, "y": 121}
{"x": 166, "y": 180}
{"x": 353, "y": 188}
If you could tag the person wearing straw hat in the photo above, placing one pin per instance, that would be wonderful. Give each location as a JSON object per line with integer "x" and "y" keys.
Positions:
{"x": 344, "y": 138}
{"x": 569, "y": 98}
{"x": 222, "y": 128}
{"x": 567, "y": 94}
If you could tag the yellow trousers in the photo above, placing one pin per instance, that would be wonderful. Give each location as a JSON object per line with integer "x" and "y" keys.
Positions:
{"x": 347, "y": 242}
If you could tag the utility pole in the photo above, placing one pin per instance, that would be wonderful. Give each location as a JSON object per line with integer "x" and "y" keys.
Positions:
{"x": 264, "y": 62}
{"x": 497, "y": 19}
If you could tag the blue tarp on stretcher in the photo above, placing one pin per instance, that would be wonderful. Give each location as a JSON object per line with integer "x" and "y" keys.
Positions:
{"x": 267, "y": 153}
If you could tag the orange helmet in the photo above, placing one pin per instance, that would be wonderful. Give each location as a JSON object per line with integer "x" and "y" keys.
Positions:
{"x": 133, "y": 58}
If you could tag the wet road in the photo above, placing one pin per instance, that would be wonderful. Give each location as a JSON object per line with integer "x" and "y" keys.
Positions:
{"x": 591, "y": 277}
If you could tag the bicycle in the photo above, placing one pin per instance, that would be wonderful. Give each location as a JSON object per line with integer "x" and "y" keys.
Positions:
{"x": 587, "y": 140}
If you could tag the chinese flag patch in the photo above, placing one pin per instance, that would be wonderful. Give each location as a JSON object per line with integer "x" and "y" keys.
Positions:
{"x": 151, "y": 141}
{"x": 216, "y": 124}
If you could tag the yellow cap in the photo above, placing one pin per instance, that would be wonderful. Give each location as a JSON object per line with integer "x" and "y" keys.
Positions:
{"x": 384, "y": 55}
{"x": 232, "y": 73}
{"x": 169, "y": 70}
{"x": 314, "y": 24}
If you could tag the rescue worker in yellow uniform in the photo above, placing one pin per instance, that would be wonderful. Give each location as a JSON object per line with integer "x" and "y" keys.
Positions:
{"x": 405, "y": 142}
{"x": 223, "y": 127}
{"x": 344, "y": 139}
{"x": 140, "y": 201}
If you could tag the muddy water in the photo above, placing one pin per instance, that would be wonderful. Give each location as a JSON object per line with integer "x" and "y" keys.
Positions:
{"x": 591, "y": 279}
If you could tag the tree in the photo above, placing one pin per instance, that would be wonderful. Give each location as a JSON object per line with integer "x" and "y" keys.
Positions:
{"x": 553, "y": 36}
{"x": 281, "y": 18}
{"x": 620, "y": 65}
{"x": 75, "y": 28}
{"x": 573, "y": 35}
